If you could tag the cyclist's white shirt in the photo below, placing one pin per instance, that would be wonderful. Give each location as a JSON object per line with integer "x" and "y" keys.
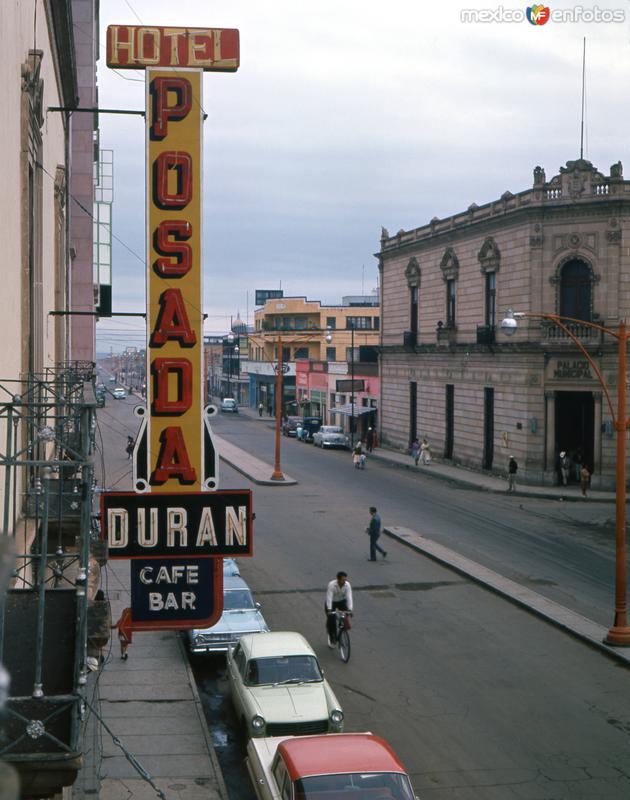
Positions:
{"x": 336, "y": 593}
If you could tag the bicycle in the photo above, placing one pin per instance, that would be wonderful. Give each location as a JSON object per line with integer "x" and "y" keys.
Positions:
{"x": 342, "y": 644}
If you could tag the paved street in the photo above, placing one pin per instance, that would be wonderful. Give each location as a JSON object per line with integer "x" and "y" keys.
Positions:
{"x": 481, "y": 699}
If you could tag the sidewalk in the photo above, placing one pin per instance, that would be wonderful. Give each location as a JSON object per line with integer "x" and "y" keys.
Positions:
{"x": 149, "y": 701}
{"x": 466, "y": 478}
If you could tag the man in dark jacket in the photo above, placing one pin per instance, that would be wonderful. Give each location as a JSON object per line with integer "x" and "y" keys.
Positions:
{"x": 512, "y": 470}
{"x": 374, "y": 531}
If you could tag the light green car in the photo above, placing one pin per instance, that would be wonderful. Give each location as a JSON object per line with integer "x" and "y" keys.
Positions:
{"x": 279, "y": 689}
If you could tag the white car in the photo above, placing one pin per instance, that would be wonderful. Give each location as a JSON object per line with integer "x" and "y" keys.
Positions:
{"x": 331, "y": 436}
{"x": 230, "y": 405}
{"x": 279, "y": 689}
{"x": 119, "y": 393}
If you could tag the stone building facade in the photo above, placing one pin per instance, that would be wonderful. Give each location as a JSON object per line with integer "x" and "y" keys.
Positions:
{"x": 448, "y": 370}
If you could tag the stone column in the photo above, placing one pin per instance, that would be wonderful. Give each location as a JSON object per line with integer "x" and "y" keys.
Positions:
{"x": 550, "y": 431}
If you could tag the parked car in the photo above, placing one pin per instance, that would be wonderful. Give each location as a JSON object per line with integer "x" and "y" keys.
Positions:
{"x": 330, "y": 767}
{"x": 279, "y": 689}
{"x": 241, "y": 615}
{"x": 101, "y": 393}
{"x": 229, "y": 405}
{"x": 119, "y": 393}
{"x": 290, "y": 425}
{"x": 230, "y": 567}
{"x": 310, "y": 426}
{"x": 331, "y": 436}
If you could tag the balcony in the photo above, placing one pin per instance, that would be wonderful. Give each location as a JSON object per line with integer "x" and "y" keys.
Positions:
{"x": 554, "y": 333}
{"x": 46, "y": 506}
{"x": 410, "y": 339}
{"x": 486, "y": 334}
{"x": 446, "y": 334}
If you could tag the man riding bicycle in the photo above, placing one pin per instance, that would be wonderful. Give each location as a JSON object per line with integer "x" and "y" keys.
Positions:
{"x": 338, "y": 597}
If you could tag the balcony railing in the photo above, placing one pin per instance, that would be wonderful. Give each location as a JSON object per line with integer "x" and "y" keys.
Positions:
{"x": 486, "y": 334}
{"x": 47, "y": 444}
{"x": 554, "y": 333}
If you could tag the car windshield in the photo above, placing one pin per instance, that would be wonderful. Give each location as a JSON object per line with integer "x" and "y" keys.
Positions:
{"x": 362, "y": 785}
{"x": 331, "y": 429}
{"x": 282, "y": 669}
{"x": 238, "y": 600}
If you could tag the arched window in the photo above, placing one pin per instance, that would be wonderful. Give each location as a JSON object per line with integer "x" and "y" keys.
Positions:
{"x": 575, "y": 290}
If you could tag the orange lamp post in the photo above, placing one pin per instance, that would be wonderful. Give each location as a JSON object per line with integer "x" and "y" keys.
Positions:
{"x": 619, "y": 633}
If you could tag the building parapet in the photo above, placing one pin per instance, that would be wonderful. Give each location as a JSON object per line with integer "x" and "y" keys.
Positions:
{"x": 578, "y": 182}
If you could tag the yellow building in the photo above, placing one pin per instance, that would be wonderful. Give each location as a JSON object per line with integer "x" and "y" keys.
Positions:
{"x": 301, "y": 326}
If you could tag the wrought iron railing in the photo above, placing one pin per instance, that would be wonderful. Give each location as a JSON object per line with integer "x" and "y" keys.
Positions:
{"x": 47, "y": 424}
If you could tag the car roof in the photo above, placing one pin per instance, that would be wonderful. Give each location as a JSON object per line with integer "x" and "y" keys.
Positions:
{"x": 277, "y": 643}
{"x": 329, "y": 754}
{"x": 234, "y": 582}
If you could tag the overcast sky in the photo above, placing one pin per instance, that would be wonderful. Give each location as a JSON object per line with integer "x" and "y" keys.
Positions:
{"x": 347, "y": 116}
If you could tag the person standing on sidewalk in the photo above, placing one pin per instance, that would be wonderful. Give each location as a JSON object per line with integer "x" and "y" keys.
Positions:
{"x": 425, "y": 452}
{"x": 585, "y": 479}
{"x": 414, "y": 451}
{"x": 564, "y": 468}
{"x": 512, "y": 470}
{"x": 260, "y": 409}
{"x": 374, "y": 531}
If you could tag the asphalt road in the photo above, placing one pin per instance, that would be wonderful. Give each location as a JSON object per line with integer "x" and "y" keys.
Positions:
{"x": 480, "y": 699}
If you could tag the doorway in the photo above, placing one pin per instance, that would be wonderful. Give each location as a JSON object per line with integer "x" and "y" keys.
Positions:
{"x": 575, "y": 429}
{"x": 413, "y": 411}
{"x": 488, "y": 427}
{"x": 449, "y": 420}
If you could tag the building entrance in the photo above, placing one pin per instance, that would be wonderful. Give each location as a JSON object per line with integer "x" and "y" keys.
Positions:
{"x": 575, "y": 429}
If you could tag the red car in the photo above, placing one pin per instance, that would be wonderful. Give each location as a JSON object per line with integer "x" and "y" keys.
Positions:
{"x": 327, "y": 767}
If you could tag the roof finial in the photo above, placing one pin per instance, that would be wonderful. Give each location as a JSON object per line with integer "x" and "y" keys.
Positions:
{"x": 583, "y": 95}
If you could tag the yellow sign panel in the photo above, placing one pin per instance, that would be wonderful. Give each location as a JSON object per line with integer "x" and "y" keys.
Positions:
{"x": 174, "y": 285}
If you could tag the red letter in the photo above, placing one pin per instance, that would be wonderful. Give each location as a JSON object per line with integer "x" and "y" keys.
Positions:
{"x": 162, "y": 112}
{"x": 182, "y": 163}
{"x": 172, "y": 321}
{"x": 181, "y": 231}
{"x": 161, "y": 368}
{"x": 173, "y": 461}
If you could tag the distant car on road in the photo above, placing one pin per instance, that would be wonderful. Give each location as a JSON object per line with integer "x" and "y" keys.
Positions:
{"x": 101, "y": 393}
{"x": 290, "y": 426}
{"x": 310, "y": 426}
{"x": 331, "y": 436}
{"x": 119, "y": 393}
{"x": 241, "y": 615}
{"x": 279, "y": 689}
{"x": 331, "y": 767}
{"x": 229, "y": 405}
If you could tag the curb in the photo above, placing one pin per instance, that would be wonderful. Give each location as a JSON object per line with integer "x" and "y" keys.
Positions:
{"x": 258, "y": 481}
{"x": 221, "y": 785}
{"x": 561, "y": 617}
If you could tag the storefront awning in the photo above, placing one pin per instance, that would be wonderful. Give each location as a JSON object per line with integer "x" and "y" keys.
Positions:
{"x": 347, "y": 410}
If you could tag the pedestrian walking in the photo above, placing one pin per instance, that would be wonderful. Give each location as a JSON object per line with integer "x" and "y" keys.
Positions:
{"x": 369, "y": 443}
{"x": 260, "y": 409}
{"x": 356, "y": 455}
{"x": 512, "y": 470}
{"x": 425, "y": 452}
{"x": 565, "y": 465}
{"x": 585, "y": 479}
{"x": 129, "y": 447}
{"x": 374, "y": 531}
{"x": 414, "y": 451}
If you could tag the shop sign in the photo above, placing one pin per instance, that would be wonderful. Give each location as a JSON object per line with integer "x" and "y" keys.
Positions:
{"x": 144, "y": 47}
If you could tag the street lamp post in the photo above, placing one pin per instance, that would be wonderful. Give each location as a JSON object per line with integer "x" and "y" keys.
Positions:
{"x": 277, "y": 474}
{"x": 230, "y": 341}
{"x": 619, "y": 633}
